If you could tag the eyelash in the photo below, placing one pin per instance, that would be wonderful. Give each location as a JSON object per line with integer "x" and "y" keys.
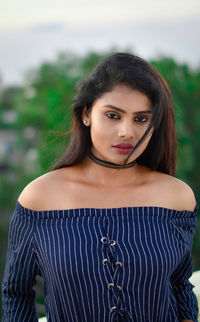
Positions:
{"x": 141, "y": 116}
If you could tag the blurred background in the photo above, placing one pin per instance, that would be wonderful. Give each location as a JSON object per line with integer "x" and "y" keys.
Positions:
{"x": 47, "y": 46}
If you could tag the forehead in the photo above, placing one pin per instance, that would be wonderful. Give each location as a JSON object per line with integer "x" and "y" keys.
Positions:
{"x": 125, "y": 97}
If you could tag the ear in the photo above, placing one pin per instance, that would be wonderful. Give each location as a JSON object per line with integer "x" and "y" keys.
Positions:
{"x": 86, "y": 116}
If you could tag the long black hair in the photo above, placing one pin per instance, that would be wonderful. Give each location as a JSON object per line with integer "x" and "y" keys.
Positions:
{"x": 133, "y": 71}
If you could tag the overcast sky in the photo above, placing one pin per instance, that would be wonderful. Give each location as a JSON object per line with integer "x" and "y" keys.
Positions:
{"x": 32, "y": 31}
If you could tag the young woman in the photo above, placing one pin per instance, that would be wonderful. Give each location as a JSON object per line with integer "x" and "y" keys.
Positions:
{"x": 109, "y": 228}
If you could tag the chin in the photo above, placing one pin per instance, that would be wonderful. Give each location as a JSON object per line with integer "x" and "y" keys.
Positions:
{"x": 121, "y": 160}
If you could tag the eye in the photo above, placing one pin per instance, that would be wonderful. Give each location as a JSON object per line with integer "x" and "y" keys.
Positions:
{"x": 112, "y": 116}
{"x": 142, "y": 119}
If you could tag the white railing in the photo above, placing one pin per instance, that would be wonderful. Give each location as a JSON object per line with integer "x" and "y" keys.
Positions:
{"x": 44, "y": 319}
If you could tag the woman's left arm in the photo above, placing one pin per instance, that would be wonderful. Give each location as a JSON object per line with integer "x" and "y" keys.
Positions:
{"x": 186, "y": 223}
{"x": 185, "y": 297}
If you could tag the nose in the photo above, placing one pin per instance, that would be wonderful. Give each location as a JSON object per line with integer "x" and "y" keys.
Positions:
{"x": 126, "y": 130}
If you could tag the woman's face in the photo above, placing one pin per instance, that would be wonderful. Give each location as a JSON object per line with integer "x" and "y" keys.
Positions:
{"x": 120, "y": 116}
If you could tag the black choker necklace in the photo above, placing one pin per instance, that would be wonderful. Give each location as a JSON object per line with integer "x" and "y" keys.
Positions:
{"x": 110, "y": 164}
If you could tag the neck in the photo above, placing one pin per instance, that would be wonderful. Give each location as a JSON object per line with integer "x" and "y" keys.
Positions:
{"x": 101, "y": 175}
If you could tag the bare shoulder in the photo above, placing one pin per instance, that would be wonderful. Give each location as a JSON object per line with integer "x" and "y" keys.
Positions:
{"x": 38, "y": 193}
{"x": 184, "y": 194}
{"x": 179, "y": 192}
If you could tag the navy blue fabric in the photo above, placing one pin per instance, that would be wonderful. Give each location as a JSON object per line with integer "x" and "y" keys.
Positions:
{"x": 100, "y": 265}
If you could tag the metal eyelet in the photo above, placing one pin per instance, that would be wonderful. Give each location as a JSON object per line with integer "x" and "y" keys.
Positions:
{"x": 103, "y": 240}
{"x": 104, "y": 261}
{"x": 112, "y": 242}
{"x": 119, "y": 263}
{"x": 113, "y": 308}
{"x": 110, "y": 284}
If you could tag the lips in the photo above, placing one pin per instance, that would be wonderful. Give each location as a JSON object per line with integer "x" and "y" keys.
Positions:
{"x": 124, "y": 148}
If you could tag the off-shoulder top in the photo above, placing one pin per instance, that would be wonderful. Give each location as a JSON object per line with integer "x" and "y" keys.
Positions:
{"x": 101, "y": 265}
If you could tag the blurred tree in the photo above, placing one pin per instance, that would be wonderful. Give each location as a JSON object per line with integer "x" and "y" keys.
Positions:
{"x": 7, "y": 95}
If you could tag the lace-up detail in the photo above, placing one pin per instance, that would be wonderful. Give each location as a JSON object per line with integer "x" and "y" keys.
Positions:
{"x": 113, "y": 267}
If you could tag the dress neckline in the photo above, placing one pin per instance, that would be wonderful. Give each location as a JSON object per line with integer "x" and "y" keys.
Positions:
{"x": 51, "y": 211}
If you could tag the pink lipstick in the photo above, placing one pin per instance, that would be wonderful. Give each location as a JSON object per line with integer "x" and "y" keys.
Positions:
{"x": 124, "y": 148}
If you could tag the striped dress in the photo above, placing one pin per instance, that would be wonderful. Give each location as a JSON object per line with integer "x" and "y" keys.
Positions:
{"x": 101, "y": 265}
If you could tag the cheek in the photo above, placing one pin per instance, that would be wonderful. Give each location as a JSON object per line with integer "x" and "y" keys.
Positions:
{"x": 145, "y": 142}
{"x": 99, "y": 131}
{"x": 99, "y": 125}
{"x": 149, "y": 135}
{"x": 139, "y": 132}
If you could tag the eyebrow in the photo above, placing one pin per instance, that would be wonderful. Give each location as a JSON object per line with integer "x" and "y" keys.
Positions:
{"x": 120, "y": 110}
